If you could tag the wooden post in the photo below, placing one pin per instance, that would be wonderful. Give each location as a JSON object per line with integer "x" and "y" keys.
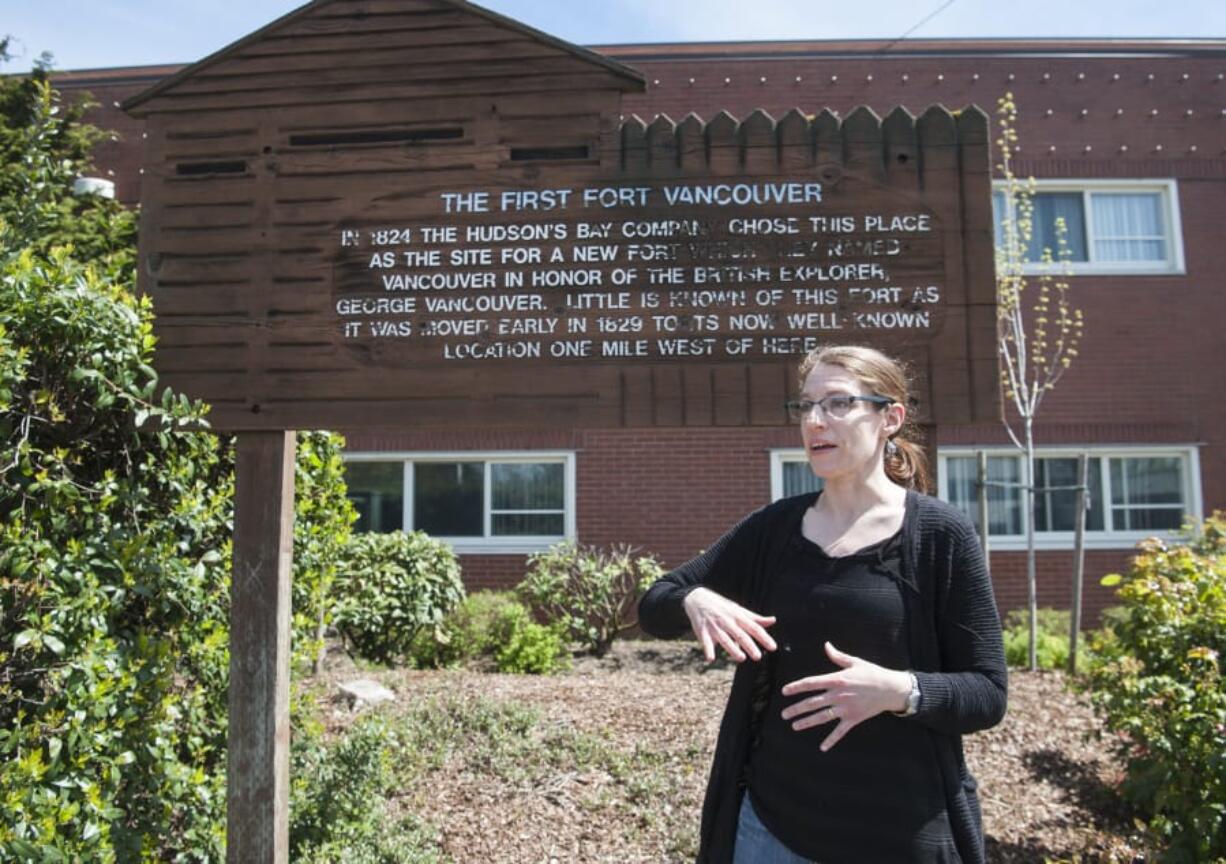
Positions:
{"x": 258, "y": 767}
{"x": 982, "y": 463}
{"x": 1079, "y": 557}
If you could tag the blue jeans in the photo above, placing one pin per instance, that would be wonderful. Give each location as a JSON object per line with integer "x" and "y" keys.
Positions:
{"x": 755, "y": 844}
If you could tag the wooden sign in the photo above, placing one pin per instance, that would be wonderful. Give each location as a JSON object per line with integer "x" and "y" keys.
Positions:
{"x": 683, "y": 264}
{"x": 457, "y": 215}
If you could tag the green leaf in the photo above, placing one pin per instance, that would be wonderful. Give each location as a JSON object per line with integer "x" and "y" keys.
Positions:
{"x": 56, "y": 646}
{"x": 24, "y": 638}
{"x": 1110, "y": 580}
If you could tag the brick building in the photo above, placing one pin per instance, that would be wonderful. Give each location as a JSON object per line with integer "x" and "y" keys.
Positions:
{"x": 1127, "y": 140}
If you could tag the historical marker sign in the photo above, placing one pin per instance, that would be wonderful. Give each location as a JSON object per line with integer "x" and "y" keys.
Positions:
{"x": 728, "y": 270}
{"x": 677, "y": 263}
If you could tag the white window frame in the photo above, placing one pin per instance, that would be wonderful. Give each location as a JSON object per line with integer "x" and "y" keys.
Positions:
{"x": 778, "y": 456}
{"x": 487, "y": 544}
{"x": 1107, "y": 539}
{"x": 1169, "y": 195}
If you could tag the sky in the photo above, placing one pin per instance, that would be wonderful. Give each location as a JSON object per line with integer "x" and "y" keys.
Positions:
{"x": 90, "y": 34}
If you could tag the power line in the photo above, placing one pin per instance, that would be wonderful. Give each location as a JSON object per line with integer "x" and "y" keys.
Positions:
{"x": 934, "y": 13}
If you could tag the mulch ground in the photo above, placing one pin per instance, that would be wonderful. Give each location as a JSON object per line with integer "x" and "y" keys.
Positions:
{"x": 1045, "y": 779}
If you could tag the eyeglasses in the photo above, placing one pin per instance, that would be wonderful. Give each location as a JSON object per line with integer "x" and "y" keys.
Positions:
{"x": 836, "y": 406}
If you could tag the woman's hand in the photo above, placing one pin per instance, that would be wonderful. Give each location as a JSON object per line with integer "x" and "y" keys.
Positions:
{"x": 716, "y": 619}
{"x": 857, "y": 691}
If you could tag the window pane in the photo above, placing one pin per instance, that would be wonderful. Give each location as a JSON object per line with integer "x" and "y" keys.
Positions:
{"x": 1048, "y": 208}
{"x": 798, "y": 478}
{"x": 1128, "y": 227}
{"x": 1147, "y": 480}
{"x": 1147, "y": 519}
{"x": 527, "y": 524}
{"x": 377, "y": 490}
{"x": 998, "y": 216}
{"x": 1056, "y": 511}
{"x": 1147, "y": 493}
{"x": 448, "y": 498}
{"x": 528, "y": 486}
{"x": 1004, "y": 503}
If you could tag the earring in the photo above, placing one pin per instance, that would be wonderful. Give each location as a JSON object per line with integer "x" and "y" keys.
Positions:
{"x": 891, "y": 449}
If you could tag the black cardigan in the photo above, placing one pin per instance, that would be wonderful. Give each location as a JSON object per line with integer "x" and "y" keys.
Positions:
{"x": 954, "y": 640}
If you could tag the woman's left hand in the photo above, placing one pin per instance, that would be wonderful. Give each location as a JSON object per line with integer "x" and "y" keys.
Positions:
{"x": 857, "y": 691}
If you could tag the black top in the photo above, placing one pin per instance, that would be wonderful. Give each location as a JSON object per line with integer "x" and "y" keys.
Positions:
{"x": 953, "y": 634}
{"x": 829, "y": 806}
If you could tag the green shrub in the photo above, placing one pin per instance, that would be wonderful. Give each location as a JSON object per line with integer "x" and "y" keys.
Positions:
{"x": 467, "y": 634}
{"x": 392, "y": 587}
{"x": 338, "y": 799}
{"x": 492, "y": 628}
{"x": 116, "y": 511}
{"x": 1051, "y": 648}
{"x": 590, "y": 593}
{"x": 524, "y": 646}
{"x": 44, "y": 146}
{"x": 1157, "y": 681}
{"x": 323, "y": 518}
{"x": 114, "y": 581}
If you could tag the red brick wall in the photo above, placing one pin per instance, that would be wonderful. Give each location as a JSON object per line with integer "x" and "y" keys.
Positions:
{"x": 672, "y": 492}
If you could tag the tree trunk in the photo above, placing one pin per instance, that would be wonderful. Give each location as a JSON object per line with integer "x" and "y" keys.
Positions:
{"x": 1032, "y": 592}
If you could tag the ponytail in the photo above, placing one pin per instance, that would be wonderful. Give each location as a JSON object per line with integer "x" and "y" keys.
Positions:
{"x": 908, "y": 464}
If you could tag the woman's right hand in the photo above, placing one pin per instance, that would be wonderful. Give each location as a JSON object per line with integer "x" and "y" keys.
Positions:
{"x": 716, "y": 619}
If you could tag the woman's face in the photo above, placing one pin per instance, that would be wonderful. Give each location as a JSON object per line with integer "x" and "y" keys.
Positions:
{"x": 852, "y": 445}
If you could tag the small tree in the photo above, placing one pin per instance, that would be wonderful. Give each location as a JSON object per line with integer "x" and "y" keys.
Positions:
{"x": 44, "y": 146}
{"x": 1037, "y": 329}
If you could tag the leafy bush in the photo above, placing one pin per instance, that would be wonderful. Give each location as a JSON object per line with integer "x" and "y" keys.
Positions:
{"x": 116, "y": 510}
{"x": 524, "y": 646}
{"x": 338, "y": 800}
{"x": 589, "y": 592}
{"x": 468, "y": 633}
{"x": 323, "y": 518}
{"x": 392, "y": 587}
{"x": 113, "y": 580}
{"x": 43, "y": 148}
{"x": 1157, "y": 682}
{"x": 1052, "y": 645}
{"x": 492, "y": 628}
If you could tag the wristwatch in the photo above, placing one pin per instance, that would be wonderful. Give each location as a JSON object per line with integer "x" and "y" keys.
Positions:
{"x": 913, "y": 698}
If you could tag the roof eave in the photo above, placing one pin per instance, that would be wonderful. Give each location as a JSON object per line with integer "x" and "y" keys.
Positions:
{"x": 632, "y": 79}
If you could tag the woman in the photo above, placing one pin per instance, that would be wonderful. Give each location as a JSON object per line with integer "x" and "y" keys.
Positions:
{"x": 867, "y": 618}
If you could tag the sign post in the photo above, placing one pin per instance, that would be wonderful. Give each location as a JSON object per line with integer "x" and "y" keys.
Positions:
{"x": 257, "y": 804}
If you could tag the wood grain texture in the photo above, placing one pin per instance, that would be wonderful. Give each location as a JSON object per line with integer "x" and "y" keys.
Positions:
{"x": 258, "y": 738}
{"x": 249, "y": 279}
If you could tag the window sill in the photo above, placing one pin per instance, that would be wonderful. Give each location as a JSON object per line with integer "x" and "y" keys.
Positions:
{"x": 500, "y": 546}
{"x": 1074, "y": 270}
{"x": 1064, "y": 542}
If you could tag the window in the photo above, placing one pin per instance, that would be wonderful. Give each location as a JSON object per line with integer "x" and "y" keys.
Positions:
{"x": 1132, "y": 494}
{"x": 377, "y": 491}
{"x": 1110, "y": 227}
{"x": 493, "y": 503}
{"x": 791, "y": 474}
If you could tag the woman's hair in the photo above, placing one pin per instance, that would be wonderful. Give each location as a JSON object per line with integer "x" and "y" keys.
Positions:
{"x": 881, "y": 376}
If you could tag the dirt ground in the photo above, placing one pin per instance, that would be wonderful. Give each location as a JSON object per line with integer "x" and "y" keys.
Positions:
{"x": 603, "y": 775}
